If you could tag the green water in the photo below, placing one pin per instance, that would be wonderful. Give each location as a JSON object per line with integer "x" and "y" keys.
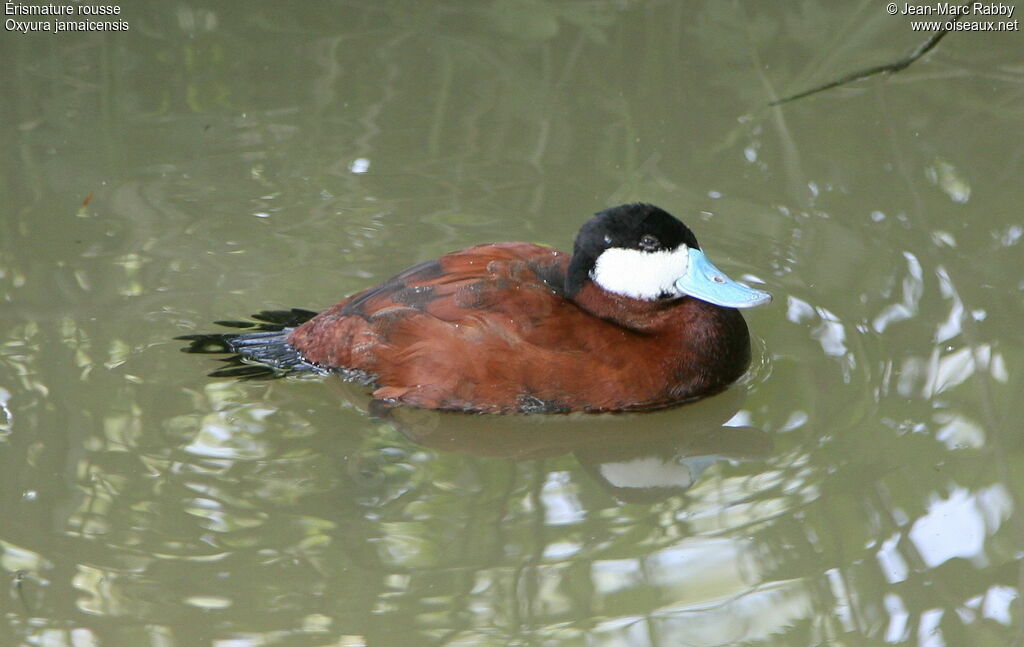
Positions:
{"x": 216, "y": 160}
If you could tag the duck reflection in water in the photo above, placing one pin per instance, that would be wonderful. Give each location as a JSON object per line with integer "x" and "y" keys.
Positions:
{"x": 636, "y": 458}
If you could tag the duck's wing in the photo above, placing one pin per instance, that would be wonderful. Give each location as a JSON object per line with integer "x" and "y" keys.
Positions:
{"x": 455, "y": 293}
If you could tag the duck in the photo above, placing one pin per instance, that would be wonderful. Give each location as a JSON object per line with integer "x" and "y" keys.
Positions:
{"x": 636, "y": 318}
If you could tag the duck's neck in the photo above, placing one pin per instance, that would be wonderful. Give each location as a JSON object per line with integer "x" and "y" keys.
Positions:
{"x": 708, "y": 340}
{"x": 636, "y": 314}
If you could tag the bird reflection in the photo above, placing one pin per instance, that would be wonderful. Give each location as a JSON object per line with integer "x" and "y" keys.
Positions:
{"x": 637, "y": 458}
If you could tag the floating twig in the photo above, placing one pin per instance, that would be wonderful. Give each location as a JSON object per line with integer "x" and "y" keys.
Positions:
{"x": 888, "y": 68}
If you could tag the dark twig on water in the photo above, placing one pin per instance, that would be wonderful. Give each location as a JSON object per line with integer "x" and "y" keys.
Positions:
{"x": 19, "y": 580}
{"x": 888, "y": 68}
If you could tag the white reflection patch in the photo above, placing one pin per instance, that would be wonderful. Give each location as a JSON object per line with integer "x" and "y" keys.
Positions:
{"x": 653, "y": 472}
{"x": 959, "y": 525}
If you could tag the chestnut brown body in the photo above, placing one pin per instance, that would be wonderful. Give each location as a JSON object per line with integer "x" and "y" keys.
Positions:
{"x": 491, "y": 329}
{"x": 636, "y": 318}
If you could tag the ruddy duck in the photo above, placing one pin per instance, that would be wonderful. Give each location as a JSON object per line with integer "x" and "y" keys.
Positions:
{"x": 636, "y": 318}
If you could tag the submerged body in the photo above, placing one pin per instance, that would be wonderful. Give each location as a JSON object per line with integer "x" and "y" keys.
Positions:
{"x": 520, "y": 328}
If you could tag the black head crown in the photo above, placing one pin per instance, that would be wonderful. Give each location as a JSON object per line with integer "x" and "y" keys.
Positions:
{"x": 637, "y": 225}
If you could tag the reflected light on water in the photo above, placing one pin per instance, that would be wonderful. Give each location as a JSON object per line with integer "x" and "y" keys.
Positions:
{"x": 957, "y": 526}
{"x": 359, "y": 165}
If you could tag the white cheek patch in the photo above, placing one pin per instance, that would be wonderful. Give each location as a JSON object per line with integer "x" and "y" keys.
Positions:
{"x": 640, "y": 275}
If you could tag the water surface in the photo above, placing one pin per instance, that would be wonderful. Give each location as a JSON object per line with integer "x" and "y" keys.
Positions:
{"x": 859, "y": 487}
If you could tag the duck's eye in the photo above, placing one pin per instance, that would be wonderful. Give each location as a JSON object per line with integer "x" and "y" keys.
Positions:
{"x": 649, "y": 243}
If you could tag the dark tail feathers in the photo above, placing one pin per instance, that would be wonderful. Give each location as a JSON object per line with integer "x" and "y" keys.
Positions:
{"x": 262, "y": 353}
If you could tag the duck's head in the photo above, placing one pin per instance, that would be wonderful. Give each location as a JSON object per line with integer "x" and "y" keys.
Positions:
{"x": 642, "y": 252}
